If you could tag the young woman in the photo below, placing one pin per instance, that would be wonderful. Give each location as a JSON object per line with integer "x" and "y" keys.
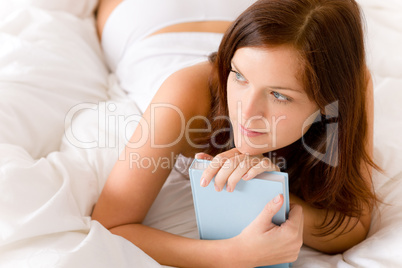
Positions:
{"x": 288, "y": 88}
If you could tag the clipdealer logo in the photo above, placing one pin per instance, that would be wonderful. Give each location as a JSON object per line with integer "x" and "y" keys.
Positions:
{"x": 330, "y": 120}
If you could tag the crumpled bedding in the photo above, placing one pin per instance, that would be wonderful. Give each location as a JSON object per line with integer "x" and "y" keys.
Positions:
{"x": 64, "y": 119}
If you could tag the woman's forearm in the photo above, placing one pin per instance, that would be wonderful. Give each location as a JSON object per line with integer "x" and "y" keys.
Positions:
{"x": 332, "y": 243}
{"x": 260, "y": 243}
{"x": 173, "y": 250}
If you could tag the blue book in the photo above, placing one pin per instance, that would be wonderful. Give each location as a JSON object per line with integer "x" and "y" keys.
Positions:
{"x": 222, "y": 215}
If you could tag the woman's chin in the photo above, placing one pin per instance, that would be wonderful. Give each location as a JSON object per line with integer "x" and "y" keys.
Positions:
{"x": 245, "y": 149}
{"x": 253, "y": 145}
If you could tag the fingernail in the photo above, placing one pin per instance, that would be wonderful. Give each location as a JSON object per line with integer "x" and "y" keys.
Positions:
{"x": 203, "y": 156}
{"x": 217, "y": 188}
{"x": 245, "y": 176}
{"x": 203, "y": 182}
{"x": 228, "y": 189}
{"x": 276, "y": 199}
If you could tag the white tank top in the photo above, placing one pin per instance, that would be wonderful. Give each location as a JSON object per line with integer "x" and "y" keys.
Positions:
{"x": 142, "y": 63}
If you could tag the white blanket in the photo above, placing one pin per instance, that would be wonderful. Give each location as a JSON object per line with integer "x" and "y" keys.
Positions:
{"x": 64, "y": 120}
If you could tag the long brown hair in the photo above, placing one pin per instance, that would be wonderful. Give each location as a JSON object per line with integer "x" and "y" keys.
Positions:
{"x": 328, "y": 35}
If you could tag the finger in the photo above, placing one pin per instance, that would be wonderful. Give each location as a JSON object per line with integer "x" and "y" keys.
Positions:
{"x": 227, "y": 170}
{"x": 203, "y": 156}
{"x": 264, "y": 165}
{"x": 296, "y": 217}
{"x": 295, "y": 211}
{"x": 263, "y": 222}
{"x": 213, "y": 168}
{"x": 297, "y": 214}
{"x": 301, "y": 224}
{"x": 215, "y": 165}
{"x": 238, "y": 173}
{"x": 296, "y": 222}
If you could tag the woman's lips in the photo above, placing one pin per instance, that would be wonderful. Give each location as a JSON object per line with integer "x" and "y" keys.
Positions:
{"x": 250, "y": 133}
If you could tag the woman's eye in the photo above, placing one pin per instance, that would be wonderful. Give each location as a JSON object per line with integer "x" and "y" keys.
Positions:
{"x": 238, "y": 76}
{"x": 279, "y": 96}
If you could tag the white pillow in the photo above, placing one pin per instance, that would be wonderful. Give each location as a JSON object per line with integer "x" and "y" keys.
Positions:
{"x": 80, "y": 8}
{"x": 49, "y": 62}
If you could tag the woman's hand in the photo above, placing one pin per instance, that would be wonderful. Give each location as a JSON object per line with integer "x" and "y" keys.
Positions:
{"x": 264, "y": 243}
{"x": 231, "y": 166}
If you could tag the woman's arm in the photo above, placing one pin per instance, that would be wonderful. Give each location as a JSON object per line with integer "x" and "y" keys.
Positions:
{"x": 261, "y": 243}
{"x": 131, "y": 187}
{"x": 355, "y": 230}
{"x": 130, "y": 190}
{"x": 105, "y": 8}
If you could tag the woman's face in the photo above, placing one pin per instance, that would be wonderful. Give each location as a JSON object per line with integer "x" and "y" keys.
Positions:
{"x": 268, "y": 106}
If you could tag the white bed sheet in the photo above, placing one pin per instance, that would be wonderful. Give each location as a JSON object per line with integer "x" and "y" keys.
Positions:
{"x": 61, "y": 134}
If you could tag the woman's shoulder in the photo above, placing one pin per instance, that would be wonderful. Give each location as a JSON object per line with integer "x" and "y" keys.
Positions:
{"x": 105, "y": 8}
{"x": 181, "y": 106}
{"x": 187, "y": 91}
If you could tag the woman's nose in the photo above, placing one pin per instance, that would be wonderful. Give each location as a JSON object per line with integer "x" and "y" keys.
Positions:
{"x": 253, "y": 105}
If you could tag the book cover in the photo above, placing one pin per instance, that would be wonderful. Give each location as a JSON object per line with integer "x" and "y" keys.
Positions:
{"x": 222, "y": 215}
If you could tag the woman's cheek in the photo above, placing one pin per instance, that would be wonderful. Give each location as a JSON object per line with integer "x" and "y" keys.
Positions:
{"x": 233, "y": 98}
{"x": 284, "y": 130}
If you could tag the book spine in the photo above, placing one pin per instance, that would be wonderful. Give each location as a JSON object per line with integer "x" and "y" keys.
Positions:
{"x": 195, "y": 178}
